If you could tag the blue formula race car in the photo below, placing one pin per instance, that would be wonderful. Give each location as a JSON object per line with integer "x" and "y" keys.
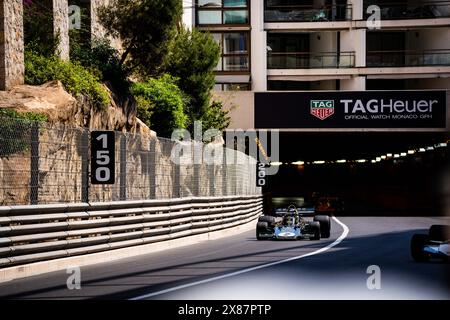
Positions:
{"x": 289, "y": 224}
{"x": 434, "y": 245}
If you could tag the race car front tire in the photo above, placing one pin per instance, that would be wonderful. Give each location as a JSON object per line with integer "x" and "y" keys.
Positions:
{"x": 261, "y": 226}
{"x": 439, "y": 232}
{"x": 325, "y": 225}
{"x": 315, "y": 228}
{"x": 418, "y": 241}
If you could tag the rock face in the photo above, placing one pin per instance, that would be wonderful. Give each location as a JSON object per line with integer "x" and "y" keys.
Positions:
{"x": 59, "y": 106}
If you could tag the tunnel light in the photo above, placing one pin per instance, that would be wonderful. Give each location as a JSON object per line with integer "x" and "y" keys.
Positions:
{"x": 378, "y": 159}
{"x": 396, "y": 155}
{"x": 276, "y": 164}
{"x": 319, "y": 162}
{"x": 411, "y": 151}
{"x": 389, "y": 155}
{"x": 298, "y": 163}
{"x": 422, "y": 150}
{"x": 341, "y": 161}
{"x": 441, "y": 145}
{"x": 430, "y": 148}
{"x": 361, "y": 160}
{"x": 383, "y": 157}
{"x": 374, "y": 161}
{"x": 403, "y": 154}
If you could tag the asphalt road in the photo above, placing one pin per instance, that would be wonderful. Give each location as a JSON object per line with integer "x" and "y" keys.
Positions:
{"x": 239, "y": 267}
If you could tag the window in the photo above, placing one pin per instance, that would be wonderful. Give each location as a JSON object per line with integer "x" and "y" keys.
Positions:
{"x": 234, "y": 51}
{"x": 214, "y": 12}
{"x": 210, "y": 17}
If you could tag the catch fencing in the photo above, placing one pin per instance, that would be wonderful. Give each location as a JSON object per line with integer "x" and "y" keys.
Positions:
{"x": 42, "y": 163}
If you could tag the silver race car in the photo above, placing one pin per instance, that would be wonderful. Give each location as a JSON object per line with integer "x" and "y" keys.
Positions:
{"x": 289, "y": 224}
{"x": 435, "y": 244}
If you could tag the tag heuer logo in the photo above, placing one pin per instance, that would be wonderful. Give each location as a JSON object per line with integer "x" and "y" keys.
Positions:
{"x": 322, "y": 109}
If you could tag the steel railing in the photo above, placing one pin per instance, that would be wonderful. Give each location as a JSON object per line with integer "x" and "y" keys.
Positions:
{"x": 309, "y": 60}
{"x": 408, "y": 58}
{"x": 44, "y": 232}
{"x": 307, "y": 13}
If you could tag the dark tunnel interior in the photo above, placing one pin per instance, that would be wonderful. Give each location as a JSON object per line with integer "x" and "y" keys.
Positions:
{"x": 410, "y": 181}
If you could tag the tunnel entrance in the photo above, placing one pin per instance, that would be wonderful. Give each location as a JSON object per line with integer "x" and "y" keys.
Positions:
{"x": 372, "y": 173}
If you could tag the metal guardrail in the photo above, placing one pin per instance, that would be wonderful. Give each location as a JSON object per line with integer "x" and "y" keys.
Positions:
{"x": 44, "y": 232}
{"x": 310, "y": 60}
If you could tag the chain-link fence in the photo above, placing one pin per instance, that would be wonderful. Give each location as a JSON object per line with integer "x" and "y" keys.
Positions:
{"x": 42, "y": 163}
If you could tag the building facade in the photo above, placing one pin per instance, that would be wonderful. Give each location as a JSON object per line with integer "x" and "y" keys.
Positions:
{"x": 323, "y": 45}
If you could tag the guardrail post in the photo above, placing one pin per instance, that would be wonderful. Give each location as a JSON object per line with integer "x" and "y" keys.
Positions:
{"x": 123, "y": 167}
{"x": 197, "y": 182}
{"x": 224, "y": 173}
{"x": 34, "y": 163}
{"x": 152, "y": 169}
{"x": 176, "y": 192}
{"x": 211, "y": 173}
{"x": 85, "y": 166}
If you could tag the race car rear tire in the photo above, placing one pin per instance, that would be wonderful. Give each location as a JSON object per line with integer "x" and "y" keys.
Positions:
{"x": 268, "y": 219}
{"x": 315, "y": 227}
{"x": 325, "y": 225}
{"x": 261, "y": 226}
{"x": 439, "y": 232}
{"x": 418, "y": 241}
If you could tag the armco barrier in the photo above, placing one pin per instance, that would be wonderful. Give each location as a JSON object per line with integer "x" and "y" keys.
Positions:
{"x": 44, "y": 232}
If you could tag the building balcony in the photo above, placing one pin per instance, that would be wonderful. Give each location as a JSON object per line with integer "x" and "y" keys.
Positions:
{"x": 306, "y": 13}
{"x": 407, "y": 10}
{"x": 383, "y": 59}
{"x": 309, "y": 60}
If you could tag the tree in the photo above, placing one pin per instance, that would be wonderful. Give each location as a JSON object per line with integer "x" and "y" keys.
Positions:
{"x": 144, "y": 27}
{"x": 160, "y": 104}
{"x": 216, "y": 117}
{"x": 193, "y": 55}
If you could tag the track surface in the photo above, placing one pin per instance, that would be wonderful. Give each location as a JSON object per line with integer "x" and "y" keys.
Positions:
{"x": 336, "y": 273}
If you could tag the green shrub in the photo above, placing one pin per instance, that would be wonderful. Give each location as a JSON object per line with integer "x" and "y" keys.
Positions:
{"x": 74, "y": 77}
{"x": 24, "y": 116}
{"x": 15, "y": 130}
{"x": 103, "y": 58}
{"x": 160, "y": 104}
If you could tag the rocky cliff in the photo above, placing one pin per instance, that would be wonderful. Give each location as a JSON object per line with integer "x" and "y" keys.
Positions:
{"x": 59, "y": 106}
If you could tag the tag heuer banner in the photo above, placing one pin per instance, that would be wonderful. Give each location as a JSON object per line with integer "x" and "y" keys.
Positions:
{"x": 351, "y": 109}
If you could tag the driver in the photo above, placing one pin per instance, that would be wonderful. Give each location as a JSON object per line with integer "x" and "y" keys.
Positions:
{"x": 292, "y": 216}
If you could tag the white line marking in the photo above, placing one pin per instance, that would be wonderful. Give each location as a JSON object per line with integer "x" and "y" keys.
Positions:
{"x": 239, "y": 272}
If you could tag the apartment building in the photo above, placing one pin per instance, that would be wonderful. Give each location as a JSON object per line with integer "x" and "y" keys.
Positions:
{"x": 324, "y": 45}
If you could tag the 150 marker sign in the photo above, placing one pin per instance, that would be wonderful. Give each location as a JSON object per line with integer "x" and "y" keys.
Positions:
{"x": 103, "y": 151}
